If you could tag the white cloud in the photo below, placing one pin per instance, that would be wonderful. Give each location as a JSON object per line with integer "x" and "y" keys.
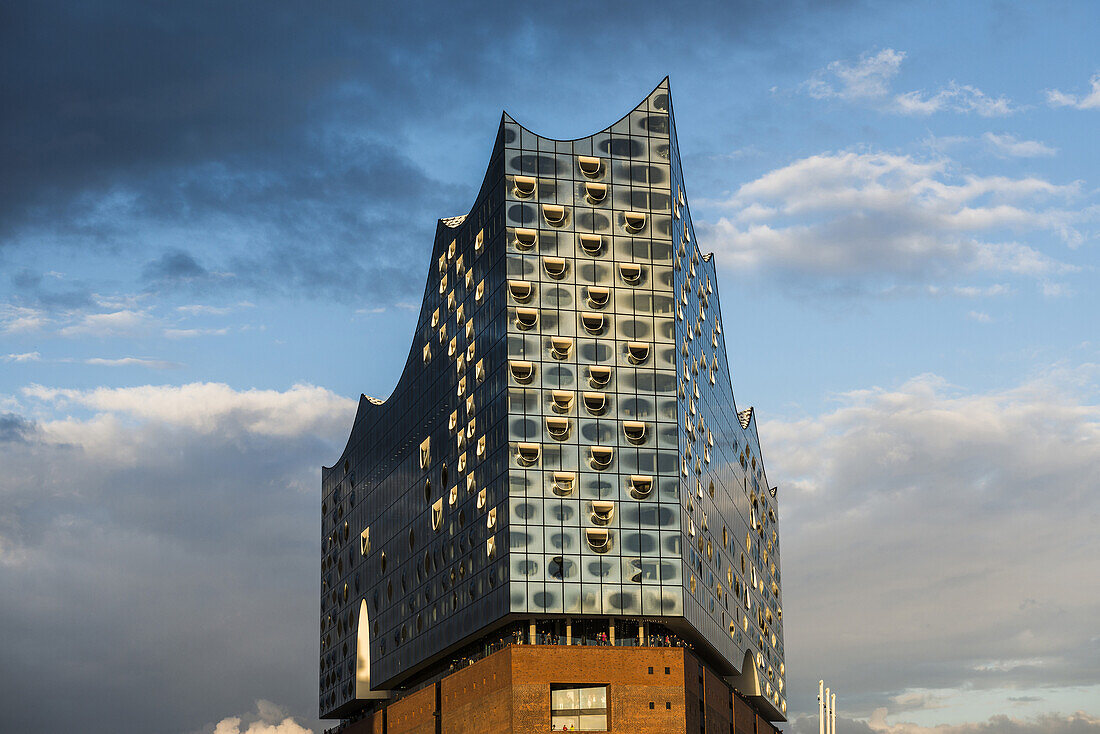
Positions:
{"x": 1077, "y": 723}
{"x": 1009, "y": 145}
{"x": 973, "y": 291}
{"x": 24, "y": 357}
{"x": 941, "y": 530}
{"x": 868, "y": 78}
{"x": 17, "y": 319}
{"x": 204, "y": 407}
{"x": 185, "y": 519}
{"x": 954, "y": 97}
{"x": 122, "y": 323}
{"x": 869, "y": 81}
{"x": 200, "y": 309}
{"x": 980, "y": 316}
{"x": 192, "y": 333}
{"x": 873, "y": 214}
{"x": 269, "y": 719}
{"x": 1090, "y": 101}
{"x": 156, "y": 364}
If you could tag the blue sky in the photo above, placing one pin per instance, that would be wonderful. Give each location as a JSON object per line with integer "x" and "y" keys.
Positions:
{"x": 214, "y": 227}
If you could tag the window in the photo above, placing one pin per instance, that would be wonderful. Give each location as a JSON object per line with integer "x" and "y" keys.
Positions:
{"x": 582, "y": 709}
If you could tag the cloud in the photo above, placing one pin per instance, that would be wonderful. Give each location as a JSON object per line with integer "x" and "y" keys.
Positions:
{"x": 121, "y": 323}
{"x": 17, "y": 319}
{"x": 204, "y": 407}
{"x": 932, "y": 538}
{"x": 858, "y": 218}
{"x": 177, "y": 267}
{"x": 24, "y": 357}
{"x": 1009, "y": 145}
{"x": 156, "y": 364}
{"x": 868, "y": 78}
{"x": 1090, "y": 101}
{"x": 268, "y": 719}
{"x": 954, "y": 97}
{"x": 161, "y": 538}
{"x": 869, "y": 81}
{"x": 192, "y": 333}
{"x": 980, "y": 316}
{"x": 15, "y": 428}
{"x": 1076, "y": 723}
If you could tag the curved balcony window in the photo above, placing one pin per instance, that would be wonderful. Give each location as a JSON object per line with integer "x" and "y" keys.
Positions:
{"x": 634, "y": 431}
{"x": 595, "y": 402}
{"x": 598, "y": 297}
{"x": 481, "y": 499}
{"x": 563, "y": 482}
{"x": 631, "y": 273}
{"x": 637, "y": 352}
{"x": 554, "y": 214}
{"x": 601, "y": 457}
{"x": 491, "y": 519}
{"x": 640, "y": 486}
{"x": 525, "y": 239}
{"x": 522, "y": 372}
{"x": 561, "y": 400}
{"x": 599, "y": 376}
{"x": 590, "y": 166}
{"x": 528, "y": 453}
{"x": 491, "y": 547}
{"x": 561, "y": 346}
{"x": 558, "y": 428}
{"x": 524, "y": 186}
{"x": 526, "y": 318}
{"x": 592, "y": 322}
{"x": 592, "y": 244}
{"x": 437, "y": 514}
{"x": 599, "y": 539}
{"x": 520, "y": 290}
{"x": 603, "y": 512}
{"x": 633, "y": 222}
{"x": 480, "y": 292}
{"x": 555, "y": 267}
{"x": 595, "y": 193}
{"x": 479, "y": 241}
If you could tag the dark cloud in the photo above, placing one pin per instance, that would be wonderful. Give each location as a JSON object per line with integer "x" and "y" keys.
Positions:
{"x": 15, "y": 428}
{"x": 274, "y": 138}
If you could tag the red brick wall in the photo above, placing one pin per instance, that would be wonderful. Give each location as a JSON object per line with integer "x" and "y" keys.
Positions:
{"x": 478, "y": 698}
{"x": 413, "y": 714}
{"x": 624, "y": 669}
{"x": 509, "y": 693}
{"x": 369, "y": 724}
{"x": 744, "y": 717}
{"x": 718, "y": 698}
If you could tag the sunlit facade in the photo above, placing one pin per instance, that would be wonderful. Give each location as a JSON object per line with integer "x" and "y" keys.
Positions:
{"x": 562, "y": 456}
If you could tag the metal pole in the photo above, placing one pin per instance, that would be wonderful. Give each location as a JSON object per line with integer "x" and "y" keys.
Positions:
{"x": 821, "y": 707}
{"x": 832, "y": 712}
{"x": 828, "y": 728}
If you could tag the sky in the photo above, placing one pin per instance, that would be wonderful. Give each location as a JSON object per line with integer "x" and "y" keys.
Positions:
{"x": 215, "y": 223}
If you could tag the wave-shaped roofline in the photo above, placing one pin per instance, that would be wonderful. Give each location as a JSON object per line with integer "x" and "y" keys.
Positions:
{"x": 508, "y": 117}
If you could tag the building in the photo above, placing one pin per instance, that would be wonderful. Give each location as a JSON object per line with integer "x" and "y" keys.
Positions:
{"x": 562, "y": 460}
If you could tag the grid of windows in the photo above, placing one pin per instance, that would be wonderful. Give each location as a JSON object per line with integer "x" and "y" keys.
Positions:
{"x": 564, "y": 438}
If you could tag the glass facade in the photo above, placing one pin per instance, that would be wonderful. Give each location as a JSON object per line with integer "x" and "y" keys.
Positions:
{"x": 563, "y": 442}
